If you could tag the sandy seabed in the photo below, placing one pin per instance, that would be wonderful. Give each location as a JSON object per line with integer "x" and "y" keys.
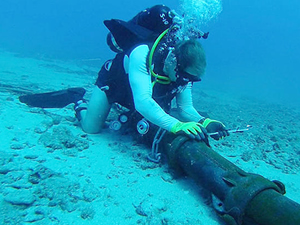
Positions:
{"x": 51, "y": 172}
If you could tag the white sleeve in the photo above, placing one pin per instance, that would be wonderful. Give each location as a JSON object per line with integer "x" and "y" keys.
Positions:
{"x": 141, "y": 86}
{"x": 186, "y": 110}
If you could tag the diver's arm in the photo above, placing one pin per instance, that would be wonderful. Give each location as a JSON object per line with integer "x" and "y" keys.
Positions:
{"x": 186, "y": 110}
{"x": 140, "y": 82}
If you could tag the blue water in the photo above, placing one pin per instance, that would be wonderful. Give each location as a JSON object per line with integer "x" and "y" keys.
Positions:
{"x": 252, "y": 48}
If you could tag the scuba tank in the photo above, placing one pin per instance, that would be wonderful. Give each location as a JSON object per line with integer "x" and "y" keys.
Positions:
{"x": 145, "y": 26}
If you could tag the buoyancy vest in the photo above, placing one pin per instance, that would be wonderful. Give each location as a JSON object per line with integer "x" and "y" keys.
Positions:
{"x": 116, "y": 78}
{"x": 163, "y": 92}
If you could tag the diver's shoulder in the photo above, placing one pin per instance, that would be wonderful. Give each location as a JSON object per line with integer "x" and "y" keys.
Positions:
{"x": 140, "y": 50}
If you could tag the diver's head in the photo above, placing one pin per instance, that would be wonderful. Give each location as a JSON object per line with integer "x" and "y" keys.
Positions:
{"x": 187, "y": 62}
{"x": 157, "y": 18}
{"x": 191, "y": 60}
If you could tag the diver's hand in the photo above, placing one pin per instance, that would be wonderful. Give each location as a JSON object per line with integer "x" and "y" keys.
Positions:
{"x": 191, "y": 129}
{"x": 214, "y": 126}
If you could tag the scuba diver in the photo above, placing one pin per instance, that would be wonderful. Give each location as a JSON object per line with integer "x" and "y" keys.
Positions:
{"x": 153, "y": 66}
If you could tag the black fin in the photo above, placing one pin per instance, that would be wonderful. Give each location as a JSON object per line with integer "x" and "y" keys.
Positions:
{"x": 56, "y": 99}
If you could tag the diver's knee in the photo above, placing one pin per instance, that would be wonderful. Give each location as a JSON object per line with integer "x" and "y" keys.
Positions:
{"x": 90, "y": 129}
{"x": 93, "y": 118}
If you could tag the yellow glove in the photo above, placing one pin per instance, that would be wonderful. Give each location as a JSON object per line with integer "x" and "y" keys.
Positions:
{"x": 192, "y": 129}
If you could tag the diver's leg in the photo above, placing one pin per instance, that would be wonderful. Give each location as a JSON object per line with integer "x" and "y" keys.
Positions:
{"x": 92, "y": 119}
